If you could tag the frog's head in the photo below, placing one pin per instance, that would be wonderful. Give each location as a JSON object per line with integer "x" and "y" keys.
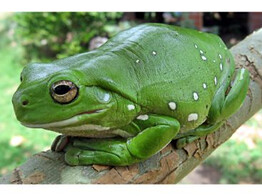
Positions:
{"x": 57, "y": 98}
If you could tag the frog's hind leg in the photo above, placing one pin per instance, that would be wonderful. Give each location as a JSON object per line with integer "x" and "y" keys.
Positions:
{"x": 157, "y": 132}
{"x": 195, "y": 134}
{"x": 223, "y": 106}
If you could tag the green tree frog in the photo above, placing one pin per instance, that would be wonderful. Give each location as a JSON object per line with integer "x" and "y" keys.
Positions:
{"x": 125, "y": 101}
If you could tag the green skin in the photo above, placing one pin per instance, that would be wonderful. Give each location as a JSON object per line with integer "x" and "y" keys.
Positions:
{"x": 145, "y": 87}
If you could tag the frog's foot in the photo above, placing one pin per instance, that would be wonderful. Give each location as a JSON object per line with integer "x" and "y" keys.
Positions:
{"x": 226, "y": 103}
{"x": 114, "y": 152}
{"x": 237, "y": 94}
{"x": 182, "y": 142}
{"x": 196, "y": 134}
{"x": 60, "y": 143}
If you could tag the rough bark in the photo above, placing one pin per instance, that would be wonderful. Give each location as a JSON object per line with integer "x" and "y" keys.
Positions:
{"x": 168, "y": 166}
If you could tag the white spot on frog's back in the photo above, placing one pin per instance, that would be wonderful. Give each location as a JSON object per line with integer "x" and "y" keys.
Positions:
{"x": 130, "y": 107}
{"x": 215, "y": 80}
{"x": 142, "y": 117}
{"x": 192, "y": 117}
{"x": 203, "y": 58}
{"x": 154, "y": 53}
{"x": 221, "y": 66}
{"x": 137, "y": 61}
{"x": 172, "y": 105}
{"x": 195, "y": 95}
{"x": 220, "y": 56}
{"x": 204, "y": 85}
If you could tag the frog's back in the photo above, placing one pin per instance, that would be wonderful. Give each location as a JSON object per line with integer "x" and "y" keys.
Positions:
{"x": 177, "y": 71}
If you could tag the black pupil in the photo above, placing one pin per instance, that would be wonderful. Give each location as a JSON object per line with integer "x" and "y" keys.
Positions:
{"x": 62, "y": 89}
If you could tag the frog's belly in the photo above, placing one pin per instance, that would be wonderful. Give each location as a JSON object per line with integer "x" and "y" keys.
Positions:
{"x": 92, "y": 131}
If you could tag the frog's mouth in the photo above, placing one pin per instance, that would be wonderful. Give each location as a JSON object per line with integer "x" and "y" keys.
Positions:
{"x": 75, "y": 121}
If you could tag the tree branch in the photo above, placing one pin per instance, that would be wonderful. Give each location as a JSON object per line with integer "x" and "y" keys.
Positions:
{"x": 168, "y": 166}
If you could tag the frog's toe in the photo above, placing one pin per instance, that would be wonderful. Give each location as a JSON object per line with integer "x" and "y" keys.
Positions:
{"x": 72, "y": 156}
{"x": 182, "y": 142}
{"x": 76, "y": 156}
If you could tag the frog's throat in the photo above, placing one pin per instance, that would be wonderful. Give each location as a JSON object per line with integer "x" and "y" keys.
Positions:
{"x": 65, "y": 123}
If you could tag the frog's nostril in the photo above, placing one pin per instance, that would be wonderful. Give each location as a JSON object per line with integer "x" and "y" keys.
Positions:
{"x": 25, "y": 102}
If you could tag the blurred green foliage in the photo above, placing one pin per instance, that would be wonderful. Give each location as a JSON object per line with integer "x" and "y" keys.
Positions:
{"x": 12, "y": 155}
{"x": 49, "y": 35}
{"x": 238, "y": 163}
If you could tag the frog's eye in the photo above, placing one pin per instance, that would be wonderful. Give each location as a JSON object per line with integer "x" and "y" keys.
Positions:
{"x": 64, "y": 91}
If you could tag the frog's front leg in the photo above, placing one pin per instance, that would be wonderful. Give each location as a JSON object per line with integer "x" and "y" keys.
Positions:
{"x": 222, "y": 107}
{"x": 157, "y": 132}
